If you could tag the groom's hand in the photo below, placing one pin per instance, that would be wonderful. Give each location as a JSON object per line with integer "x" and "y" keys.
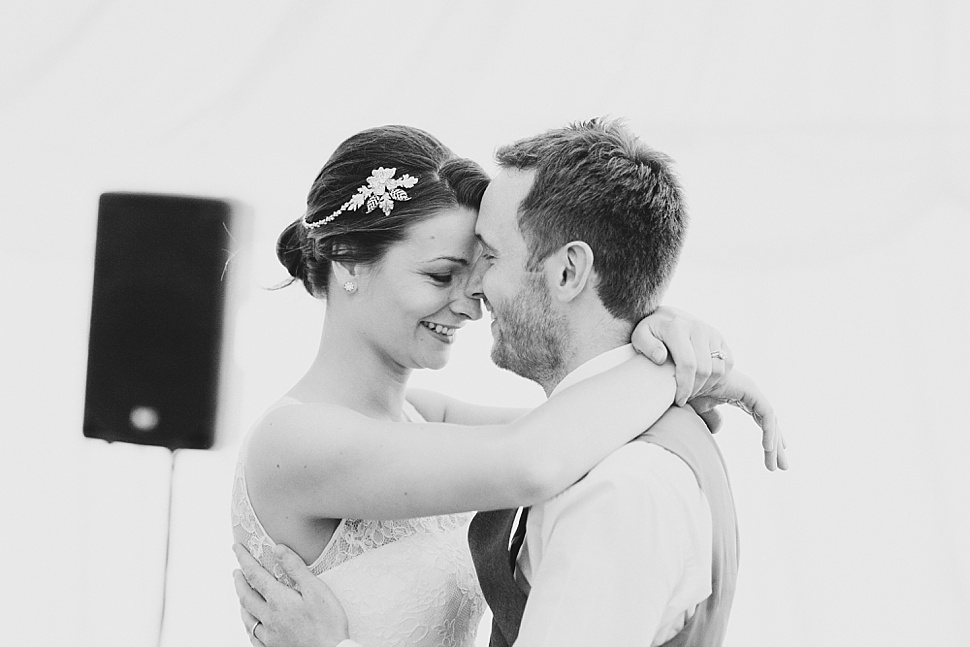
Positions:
{"x": 308, "y": 615}
{"x": 700, "y": 355}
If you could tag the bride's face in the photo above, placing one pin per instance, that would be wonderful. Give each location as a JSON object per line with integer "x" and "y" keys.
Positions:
{"x": 411, "y": 304}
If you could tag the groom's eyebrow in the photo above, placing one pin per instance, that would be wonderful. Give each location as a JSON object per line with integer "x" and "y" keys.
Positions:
{"x": 483, "y": 243}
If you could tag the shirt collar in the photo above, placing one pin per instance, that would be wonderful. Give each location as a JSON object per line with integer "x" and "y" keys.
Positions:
{"x": 599, "y": 364}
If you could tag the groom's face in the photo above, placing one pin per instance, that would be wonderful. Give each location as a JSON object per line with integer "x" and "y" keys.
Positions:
{"x": 528, "y": 333}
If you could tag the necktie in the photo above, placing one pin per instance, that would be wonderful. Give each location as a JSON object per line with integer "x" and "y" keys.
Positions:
{"x": 518, "y": 538}
{"x": 488, "y": 539}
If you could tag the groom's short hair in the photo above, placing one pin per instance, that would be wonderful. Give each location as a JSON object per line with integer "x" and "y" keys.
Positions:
{"x": 596, "y": 182}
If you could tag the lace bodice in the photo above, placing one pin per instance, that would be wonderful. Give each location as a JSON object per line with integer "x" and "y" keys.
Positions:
{"x": 407, "y": 582}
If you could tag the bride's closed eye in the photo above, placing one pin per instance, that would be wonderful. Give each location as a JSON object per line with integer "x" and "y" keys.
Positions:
{"x": 442, "y": 279}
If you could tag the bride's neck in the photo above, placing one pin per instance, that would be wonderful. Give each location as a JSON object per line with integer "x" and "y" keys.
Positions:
{"x": 353, "y": 373}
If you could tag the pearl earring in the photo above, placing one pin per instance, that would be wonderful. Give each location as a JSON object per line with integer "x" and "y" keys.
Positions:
{"x": 350, "y": 287}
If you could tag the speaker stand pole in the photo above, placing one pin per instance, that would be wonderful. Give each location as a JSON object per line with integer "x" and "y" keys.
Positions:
{"x": 168, "y": 544}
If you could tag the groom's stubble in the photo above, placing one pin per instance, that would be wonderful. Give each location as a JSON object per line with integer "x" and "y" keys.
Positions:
{"x": 531, "y": 339}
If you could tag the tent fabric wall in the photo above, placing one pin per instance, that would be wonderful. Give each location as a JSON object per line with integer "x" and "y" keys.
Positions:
{"x": 824, "y": 149}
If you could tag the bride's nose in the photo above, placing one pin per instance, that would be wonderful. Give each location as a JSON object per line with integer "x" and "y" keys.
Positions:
{"x": 465, "y": 301}
{"x": 473, "y": 285}
{"x": 467, "y": 306}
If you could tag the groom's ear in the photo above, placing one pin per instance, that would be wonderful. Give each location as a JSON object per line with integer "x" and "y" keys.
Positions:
{"x": 568, "y": 270}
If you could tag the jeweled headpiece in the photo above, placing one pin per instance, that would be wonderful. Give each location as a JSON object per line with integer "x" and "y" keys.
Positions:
{"x": 381, "y": 190}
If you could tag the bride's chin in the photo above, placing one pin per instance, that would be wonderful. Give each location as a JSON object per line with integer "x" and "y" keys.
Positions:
{"x": 436, "y": 362}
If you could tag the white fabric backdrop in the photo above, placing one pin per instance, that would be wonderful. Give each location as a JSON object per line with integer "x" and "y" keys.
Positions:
{"x": 824, "y": 147}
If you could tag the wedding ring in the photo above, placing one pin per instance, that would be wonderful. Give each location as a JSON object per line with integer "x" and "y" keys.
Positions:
{"x": 717, "y": 354}
{"x": 253, "y": 632}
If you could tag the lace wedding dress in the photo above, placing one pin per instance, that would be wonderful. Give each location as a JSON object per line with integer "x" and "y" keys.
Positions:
{"x": 408, "y": 582}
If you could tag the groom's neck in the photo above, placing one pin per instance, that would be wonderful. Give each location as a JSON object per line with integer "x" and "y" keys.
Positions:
{"x": 586, "y": 343}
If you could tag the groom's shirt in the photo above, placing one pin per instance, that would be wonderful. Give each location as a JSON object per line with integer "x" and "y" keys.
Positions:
{"x": 622, "y": 557}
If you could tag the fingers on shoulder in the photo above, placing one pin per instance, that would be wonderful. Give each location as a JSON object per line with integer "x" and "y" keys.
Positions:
{"x": 294, "y": 567}
{"x": 250, "y": 568}
{"x": 249, "y": 598}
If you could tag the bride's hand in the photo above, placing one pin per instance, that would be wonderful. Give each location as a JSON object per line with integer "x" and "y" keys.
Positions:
{"x": 704, "y": 365}
{"x": 739, "y": 390}
{"x": 701, "y": 356}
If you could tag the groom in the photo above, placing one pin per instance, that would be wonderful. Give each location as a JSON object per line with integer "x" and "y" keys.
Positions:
{"x": 580, "y": 232}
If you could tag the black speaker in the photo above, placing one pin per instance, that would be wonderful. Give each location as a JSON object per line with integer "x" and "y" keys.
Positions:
{"x": 157, "y": 319}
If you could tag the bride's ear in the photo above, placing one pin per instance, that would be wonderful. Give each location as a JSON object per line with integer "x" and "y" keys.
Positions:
{"x": 343, "y": 272}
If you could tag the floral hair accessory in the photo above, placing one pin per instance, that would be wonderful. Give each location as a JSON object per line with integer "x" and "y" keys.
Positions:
{"x": 381, "y": 190}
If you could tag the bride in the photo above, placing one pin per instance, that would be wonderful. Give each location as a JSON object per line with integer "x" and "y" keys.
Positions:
{"x": 371, "y": 483}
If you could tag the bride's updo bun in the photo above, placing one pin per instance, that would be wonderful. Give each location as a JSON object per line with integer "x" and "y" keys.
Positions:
{"x": 444, "y": 181}
{"x": 289, "y": 249}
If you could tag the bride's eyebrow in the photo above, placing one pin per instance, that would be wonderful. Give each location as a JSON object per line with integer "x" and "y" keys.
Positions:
{"x": 453, "y": 259}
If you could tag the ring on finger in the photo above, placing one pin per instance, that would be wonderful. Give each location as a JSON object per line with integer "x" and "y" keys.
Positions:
{"x": 253, "y": 632}
{"x": 716, "y": 354}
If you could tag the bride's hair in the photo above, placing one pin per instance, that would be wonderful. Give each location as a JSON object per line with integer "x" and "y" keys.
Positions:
{"x": 443, "y": 181}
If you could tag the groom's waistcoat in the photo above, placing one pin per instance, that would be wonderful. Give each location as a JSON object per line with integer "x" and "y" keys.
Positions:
{"x": 678, "y": 431}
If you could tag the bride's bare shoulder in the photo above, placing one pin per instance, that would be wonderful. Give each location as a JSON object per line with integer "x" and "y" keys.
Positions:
{"x": 294, "y": 415}
{"x": 294, "y": 434}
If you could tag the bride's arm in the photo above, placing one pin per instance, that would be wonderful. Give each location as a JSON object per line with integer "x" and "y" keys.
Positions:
{"x": 688, "y": 341}
{"x": 438, "y": 407}
{"x": 331, "y": 462}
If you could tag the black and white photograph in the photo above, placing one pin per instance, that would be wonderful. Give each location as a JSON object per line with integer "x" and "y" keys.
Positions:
{"x": 504, "y": 324}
